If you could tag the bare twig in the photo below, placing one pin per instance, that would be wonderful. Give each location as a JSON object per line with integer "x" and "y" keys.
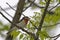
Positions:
{"x": 50, "y": 11}
{"x": 56, "y": 36}
{"x": 6, "y": 12}
{"x": 54, "y": 6}
{"x": 29, "y": 5}
{"x": 10, "y": 6}
{"x": 33, "y": 25}
{"x": 37, "y": 5}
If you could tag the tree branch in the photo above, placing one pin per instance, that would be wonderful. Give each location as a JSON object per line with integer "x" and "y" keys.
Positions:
{"x": 54, "y": 6}
{"x": 44, "y": 14}
{"x": 19, "y": 11}
{"x": 56, "y": 36}
{"x": 6, "y": 12}
{"x": 16, "y": 17}
{"x": 29, "y": 5}
{"x": 42, "y": 20}
{"x": 10, "y": 6}
{"x": 37, "y": 5}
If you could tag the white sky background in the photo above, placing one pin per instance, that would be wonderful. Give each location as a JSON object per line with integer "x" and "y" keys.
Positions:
{"x": 28, "y": 12}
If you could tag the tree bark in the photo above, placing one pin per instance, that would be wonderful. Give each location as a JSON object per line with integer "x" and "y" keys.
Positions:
{"x": 16, "y": 18}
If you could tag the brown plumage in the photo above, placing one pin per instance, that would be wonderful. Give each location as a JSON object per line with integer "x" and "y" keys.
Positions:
{"x": 23, "y": 21}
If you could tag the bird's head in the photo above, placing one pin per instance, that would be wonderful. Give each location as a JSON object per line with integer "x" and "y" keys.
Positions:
{"x": 26, "y": 19}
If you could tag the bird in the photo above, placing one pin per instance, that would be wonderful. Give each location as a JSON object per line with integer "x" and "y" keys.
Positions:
{"x": 22, "y": 23}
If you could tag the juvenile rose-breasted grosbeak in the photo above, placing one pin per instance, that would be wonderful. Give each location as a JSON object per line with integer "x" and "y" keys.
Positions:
{"x": 23, "y": 22}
